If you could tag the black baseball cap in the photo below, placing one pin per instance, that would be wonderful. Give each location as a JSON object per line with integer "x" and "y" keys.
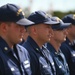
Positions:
{"x": 70, "y": 18}
{"x": 41, "y": 17}
{"x": 13, "y": 13}
{"x": 61, "y": 24}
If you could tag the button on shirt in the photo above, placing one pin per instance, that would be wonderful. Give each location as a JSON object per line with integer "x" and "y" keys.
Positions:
{"x": 59, "y": 60}
{"x": 10, "y": 63}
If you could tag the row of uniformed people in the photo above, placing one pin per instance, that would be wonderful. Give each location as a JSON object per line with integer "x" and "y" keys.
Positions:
{"x": 61, "y": 46}
{"x": 62, "y": 35}
{"x": 44, "y": 60}
{"x": 36, "y": 58}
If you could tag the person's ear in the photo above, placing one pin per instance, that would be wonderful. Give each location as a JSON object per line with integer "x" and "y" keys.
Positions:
{"x": 3, "y": 27}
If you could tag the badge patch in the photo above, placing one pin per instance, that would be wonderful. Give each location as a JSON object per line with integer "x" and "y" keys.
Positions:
{"x": 26, "y": 64}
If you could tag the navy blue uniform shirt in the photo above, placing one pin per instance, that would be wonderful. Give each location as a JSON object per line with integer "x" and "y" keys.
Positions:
{"x": 59, "y": 60}
{"x": 41, "y": 63}
{"x": 13, "y": 62}
{"x": 69, "y": 51}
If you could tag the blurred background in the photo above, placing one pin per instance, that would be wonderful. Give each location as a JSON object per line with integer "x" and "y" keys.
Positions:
{"x": 53, "y": 7}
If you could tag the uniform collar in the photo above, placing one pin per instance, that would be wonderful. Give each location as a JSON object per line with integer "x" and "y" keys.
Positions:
{"x": 52, "y": 49}
{"x": 69, "y": 43}
{"x": 33, "y": 43}
{"x": 4, "y": 46}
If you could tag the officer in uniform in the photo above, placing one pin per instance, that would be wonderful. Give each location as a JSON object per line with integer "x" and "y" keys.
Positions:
{"x": 54, "y": 47}
{"x": 14, "y": 59}
{"x": 68, "y": 47}
{"x": 39, "y": 33}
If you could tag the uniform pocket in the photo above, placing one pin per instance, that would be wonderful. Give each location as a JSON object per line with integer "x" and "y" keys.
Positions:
{"x": 45, "y": 68}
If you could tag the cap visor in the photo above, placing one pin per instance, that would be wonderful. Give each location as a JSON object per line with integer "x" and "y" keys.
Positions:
{"x": 51, "y": 22}
{"x": 25, "y": 22}
{"x": 61, "y": 26}
{"x": 64, "y": 25}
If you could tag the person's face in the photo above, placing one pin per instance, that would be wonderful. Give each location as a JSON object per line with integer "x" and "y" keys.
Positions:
{"x": 14, "y": 33}
{"x": 25, "y": 35}
{"x": 59, "y": 35}
{"x": 71, "y": 31}
{"x": 44, "y": 32}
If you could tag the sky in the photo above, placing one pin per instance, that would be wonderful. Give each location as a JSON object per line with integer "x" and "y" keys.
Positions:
{"x": 61, "y": 5}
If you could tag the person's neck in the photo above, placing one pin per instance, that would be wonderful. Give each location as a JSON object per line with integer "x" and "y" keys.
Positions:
{"x": 56, "y": 45}
{"x": 39, "y": 42}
